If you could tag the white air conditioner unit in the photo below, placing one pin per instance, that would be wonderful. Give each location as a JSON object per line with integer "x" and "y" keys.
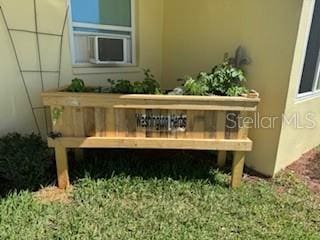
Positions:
{"x": 108, "y": 50}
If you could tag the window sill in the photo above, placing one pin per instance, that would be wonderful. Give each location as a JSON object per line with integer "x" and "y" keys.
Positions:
{"x": 87, "y": 69}
{"x": 307, "y": 96}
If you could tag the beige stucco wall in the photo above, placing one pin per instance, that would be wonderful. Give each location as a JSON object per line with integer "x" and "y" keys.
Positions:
{"x": 197, "y": 33}
{"x": 16, "y": 114}
{"x": 295, "y": 141}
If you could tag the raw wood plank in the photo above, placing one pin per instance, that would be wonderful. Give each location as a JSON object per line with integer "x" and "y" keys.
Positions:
{"x": 110, "y": 122}
{"x": 131, "y": 122}
{"x": 153, "y": 143}
{"x": 121, "y": 123}
{"x": 62, "y": 166}
{"x": 100, "y": 122}
{"x": 232, "y": 125}
{"x": 199, "y": 124}
{"x": 196, "y": 124}
{"x": 221, "y": 125}
{"x": 146, "y": 97}
{"x": 237, "y": 169}
{"x": 210, "y": 125}
{"x": 79, "y": 130}
{"x": 190, "y": 106}
{"x": 89, "y": 122}
{"x": 190, "y": 124}
{"x": 68, "y": 127}
{"x": 78, "y": 122}
{"x": 211, "y": 103}
{"x": 244, "y": 125}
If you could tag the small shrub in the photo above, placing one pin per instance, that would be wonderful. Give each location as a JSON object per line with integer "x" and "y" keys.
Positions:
{"x": 199, "y": 86}
{"x": 148, "y": 86}
{"x": 225, "y": 79}
{"x": 120, "y": 86}
{"x": 24, "y": 161}
{"x": 77, "y": 85}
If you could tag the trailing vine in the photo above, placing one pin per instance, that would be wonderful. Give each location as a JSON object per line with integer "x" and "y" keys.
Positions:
{"x": 56, "y": 114}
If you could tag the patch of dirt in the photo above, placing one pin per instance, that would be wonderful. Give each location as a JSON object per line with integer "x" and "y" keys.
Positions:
{"x": 308, "y": 169}
{"x": 54, "y": 195}
{"x": 251, "y": 175}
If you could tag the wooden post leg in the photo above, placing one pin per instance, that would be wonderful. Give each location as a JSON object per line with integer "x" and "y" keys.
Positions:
{"x": 222, "y": 158}
{"x": 62, "y": 167}
{"x": 237, "y": 169}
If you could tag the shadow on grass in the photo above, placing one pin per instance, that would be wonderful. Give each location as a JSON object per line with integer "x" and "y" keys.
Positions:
{"x": 36, "y": 181}
{"x": 147, "y": 164}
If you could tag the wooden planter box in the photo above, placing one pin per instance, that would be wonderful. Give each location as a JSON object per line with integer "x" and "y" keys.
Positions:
{"x": 90, "y": 120}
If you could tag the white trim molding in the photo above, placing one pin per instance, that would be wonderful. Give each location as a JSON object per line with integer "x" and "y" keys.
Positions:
{"x": 102, "y": 27}
{"x": 307, "y": 31}
{"x": 82, "y": 69}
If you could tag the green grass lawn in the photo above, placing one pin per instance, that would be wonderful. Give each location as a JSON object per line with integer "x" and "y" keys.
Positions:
{"x": 133, "y": 197}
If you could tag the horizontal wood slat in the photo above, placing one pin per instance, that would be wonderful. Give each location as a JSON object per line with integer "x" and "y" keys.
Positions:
{"x": 152, "y": 143}
{"x": 211, "y": 103}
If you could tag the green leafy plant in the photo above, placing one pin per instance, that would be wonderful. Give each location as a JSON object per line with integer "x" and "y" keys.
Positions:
{"x": 77, "y": 85}
{"x": 120, "y": 86}
{"x": 236, "y": 91}
{"x": 196, "y": 86}
{"x": 25, "y": 161}
{"x": 150, "y": 83}
{"x": 148, "y": 86}
{"x": 225, "y": 79}
{"x": 139, "y": 88}
{"x": 56, "y": 114}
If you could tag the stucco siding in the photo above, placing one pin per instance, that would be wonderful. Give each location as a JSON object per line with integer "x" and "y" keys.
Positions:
{"x": 198, "y": 33}
{"x": 299, "y": 138}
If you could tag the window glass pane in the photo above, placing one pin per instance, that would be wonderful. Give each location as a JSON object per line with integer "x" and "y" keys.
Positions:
{"x": 311, "y": 61}
{"x": 105, "y": 12}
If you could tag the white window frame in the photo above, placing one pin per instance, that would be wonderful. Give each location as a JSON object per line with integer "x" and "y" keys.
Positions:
{"x": 131, "y": 30}
{"x": 315, "y": 92}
